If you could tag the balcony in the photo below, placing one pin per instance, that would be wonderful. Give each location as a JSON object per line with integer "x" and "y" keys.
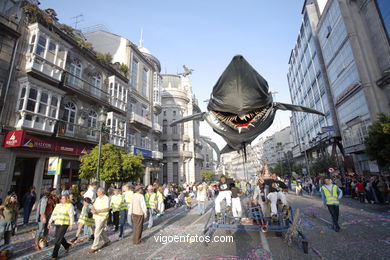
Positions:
{"x": 73, "y": 131}
{"x": 85, "y": 88}
{"x": 171, "y": 154}
{"x": 117, "y": 140}
{"x": 35, "y": 121}
{"x": 186, "y": 138}
{"x": 135, "y": 118}
{"x": 157, "y": 127}
{"x": 186, "y": 154}
{"x": 157, "y": 155}
{"x": 199, "y": 156}
{"x": 38, "y": 64}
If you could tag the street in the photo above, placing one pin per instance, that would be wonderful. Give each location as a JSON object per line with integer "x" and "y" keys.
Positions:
{"x": 364, "y": 235}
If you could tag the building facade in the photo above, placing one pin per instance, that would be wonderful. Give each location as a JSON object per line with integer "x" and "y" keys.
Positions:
{"x": 352, "y": 47}
{"x": 144, "y": 102}
{"x": 181, "y": 143}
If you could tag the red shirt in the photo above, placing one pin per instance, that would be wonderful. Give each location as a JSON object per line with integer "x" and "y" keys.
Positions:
{"x": 360, "y": 187}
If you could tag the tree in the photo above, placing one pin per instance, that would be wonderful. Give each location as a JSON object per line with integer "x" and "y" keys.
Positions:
{"x": 115, "y": 164}
{"x": 378, "y": 141}
{"x": 322, "y": 164}
{"x": 207, "y": 175}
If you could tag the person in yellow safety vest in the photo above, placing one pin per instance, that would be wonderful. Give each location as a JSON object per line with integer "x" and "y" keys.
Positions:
{"x": 160, "y": 201}
{"x": 331, "y": 196}
{"x": 127, "y": 195}
{"x": 85, "y": 219}
{"x": 115, "y": 205}
{"x": 151, "y": 201}
{"x": 63, "y": 218}
{"x": 100, "y": 209}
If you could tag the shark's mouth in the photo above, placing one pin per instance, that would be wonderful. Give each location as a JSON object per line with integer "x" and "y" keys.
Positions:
{"x": 241, "y": 121}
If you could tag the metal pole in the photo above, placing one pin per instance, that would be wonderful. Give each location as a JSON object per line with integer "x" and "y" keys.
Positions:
{"x": 100, "y": 151}
{"x": 307, "y": 163}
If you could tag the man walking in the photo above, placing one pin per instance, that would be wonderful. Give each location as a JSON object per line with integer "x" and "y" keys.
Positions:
{"x": 138, "y": 212}
{"x": 331, "y": 196}
{"x": 100, "y": 214}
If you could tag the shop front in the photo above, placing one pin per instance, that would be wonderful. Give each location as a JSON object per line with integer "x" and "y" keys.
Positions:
{"x": 30, "y": 158}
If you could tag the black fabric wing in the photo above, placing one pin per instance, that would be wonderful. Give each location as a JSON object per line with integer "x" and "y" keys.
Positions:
{"x": 283, "y": 106}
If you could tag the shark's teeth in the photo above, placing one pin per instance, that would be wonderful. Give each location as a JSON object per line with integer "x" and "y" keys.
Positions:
{"x": 251, "y": 125}
{"x": 239, "y": 130}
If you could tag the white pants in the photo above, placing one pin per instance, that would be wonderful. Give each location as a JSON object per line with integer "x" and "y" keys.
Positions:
{"x": 236, "y": 207}
{"x": 273, "y": 197}
{"x": 161, "y": 207}
{"x": 226, "y": 194}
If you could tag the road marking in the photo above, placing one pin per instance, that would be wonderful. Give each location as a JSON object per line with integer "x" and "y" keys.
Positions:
{"x": 164, "y": 246}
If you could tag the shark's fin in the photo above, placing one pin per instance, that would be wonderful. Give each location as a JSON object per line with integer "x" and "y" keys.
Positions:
{"x": 215, "y": 147}
{"x": 227, "y": 149}
{"x": 198, "y": 116}
{"x": 283, "y": 106}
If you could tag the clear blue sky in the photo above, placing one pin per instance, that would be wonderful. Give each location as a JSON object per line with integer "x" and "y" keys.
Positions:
{"x": 202, "y": 34}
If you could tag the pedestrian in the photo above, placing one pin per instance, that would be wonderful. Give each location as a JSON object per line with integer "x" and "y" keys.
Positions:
{"x": 277, "y": 189}
{"x": 100, "y": 210}
{"x": 8, "y": 215}
{"x": 127, "y": 194}
{"x": 224, "y": 193}
{"x": 138, "y": 211}
{"x": 331, "y": 196}
{"x": 151, "y": 201}
{"x": 115, "y": 206}
{"x": 187, "y": 199}
{"x": 65, "y": 190}
{"x": 45, "y": 209}
{"x": 236, "y": 202}
{"x": 91, "y": 192}
{"x": 160, "y": 201}
{"x": 85, "y": 219}
{"x": 360, "y": 190}
{"x": 28, "y": 202}
{"x": 201, "y": 198}
{"x": 63, "y": 218}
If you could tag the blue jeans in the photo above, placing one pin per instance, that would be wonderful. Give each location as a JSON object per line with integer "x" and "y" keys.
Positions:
{"x": 26, "y": 214}
{"x": 201, "y": 206}
{"x": 150, "y": 213}
{"x": 123, "y": 218}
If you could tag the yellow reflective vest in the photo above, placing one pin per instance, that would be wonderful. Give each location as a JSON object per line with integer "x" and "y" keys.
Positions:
{"x": 331, "y": 197}
{"x": 84, "y": 219}
{"x": 99, "y": 204}
{"x": 116, "y": 202}
{"x": 61, "y": 214}
{"x": 160, "y": 197}
{"x": 127, "y": 197}
{"x": 150, "y": 200}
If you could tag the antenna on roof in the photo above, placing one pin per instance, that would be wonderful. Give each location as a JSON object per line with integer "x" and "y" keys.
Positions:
{"x": 141, "y": 40}
{"x": 78, "y": 19}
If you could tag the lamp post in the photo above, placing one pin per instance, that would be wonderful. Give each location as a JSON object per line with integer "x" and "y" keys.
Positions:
{"x": 102, "y": 123}
{"x": 306, "y": 159}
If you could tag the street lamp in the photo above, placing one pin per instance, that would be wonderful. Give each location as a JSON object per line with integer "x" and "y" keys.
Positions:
{"x": 102, "y": 124}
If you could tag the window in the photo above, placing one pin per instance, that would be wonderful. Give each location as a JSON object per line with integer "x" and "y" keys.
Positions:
{"x": 175, "y": 172}
{"x": 41, "y": 45}
{"x": 32, "y": 99}
{"x": 174, "y": 113}
{"x": 165, "y": 126}
{"x": 75, "y": 70}
{"x": 384, "y": 9}
{"x": 60, "y": 57}
{"x": 43, "y": 103}
{"x": 21, "y": 98}
{"x": 70, "y": 116}
{"x": 145, "y": 81}
{"x": 132, "y": 139}
{"x": 165, "y": 113}
{"x": 53, "y": 107}
{"x": 174, "y": 129}
{"x": 165, "y": 147}
{"x": 92, "y": 123}
{"x": 32, "y": 43}
{"x": 134, "y": 72}
{"x": 174, "y": 147}
{"x": 51, "y": 52}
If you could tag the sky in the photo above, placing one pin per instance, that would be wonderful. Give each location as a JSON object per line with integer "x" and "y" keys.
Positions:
{"x": 204, "y": 35}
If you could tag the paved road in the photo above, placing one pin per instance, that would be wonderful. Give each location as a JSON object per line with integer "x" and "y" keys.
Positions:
{"x": 365, "y": 234}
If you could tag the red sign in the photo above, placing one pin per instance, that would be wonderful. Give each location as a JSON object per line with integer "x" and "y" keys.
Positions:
{"x": 49, "y": 145}
{"x": 14, "y": 138}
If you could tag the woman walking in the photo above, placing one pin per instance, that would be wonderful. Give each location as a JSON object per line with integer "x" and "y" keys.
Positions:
{"x": 8, "y": 216}
{"x": 139, "y": 212}
{"x": 63, "y": 218}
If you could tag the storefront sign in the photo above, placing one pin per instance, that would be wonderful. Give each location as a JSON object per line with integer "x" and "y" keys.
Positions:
{"x": 14, "y": 138}
{"x": 145, "y": 153}
{"x": 54, "y": 167}
{"x": 44, "y": 144}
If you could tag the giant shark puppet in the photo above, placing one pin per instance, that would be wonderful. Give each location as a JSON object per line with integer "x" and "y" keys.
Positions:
{"x": 241, "y": 107}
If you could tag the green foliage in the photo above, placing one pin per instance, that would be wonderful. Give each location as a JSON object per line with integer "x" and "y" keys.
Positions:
{"x": 115, "y": 165}
{"x": 321, "y": 165}
{"x": 36, "y": 15}
{"x": 207, "y": 175}
{"x": 123, "y": 68}
{"x": 378, "y": 141}
{"x": 104, "y": 57}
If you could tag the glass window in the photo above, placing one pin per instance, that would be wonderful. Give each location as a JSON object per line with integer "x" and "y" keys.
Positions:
{"x": 53, "y": 107}
{"x": 92, "y": 123}
{"x": 60, "y": 57}
{"x": 70, "y": 116}
{"x": 43, "y": 103}
{"x": 134, "y": 72}
{"x": 75, "y": 70}
{"x": 145, "y": 82}
{"x": 51, "y": 52}
{"x": 21, "y": 98}
{"x": 32, "y": 100}
{"x": 32, "y": 43}
{"x": 174, "y": 129}
{"x": 165, "y": 147}
{"x": 165, "y": 126}
{"x": 41, "y": 45}
{"x": 174, "y": 147}
{"x": 384, "y": 9}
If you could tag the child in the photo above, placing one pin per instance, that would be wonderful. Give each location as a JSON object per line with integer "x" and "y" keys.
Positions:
{"x": 85, "y": 219}
{"x": 187, "y": 199}
{"x": 115, "y": 204}
{"x": 236, "y": 202}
